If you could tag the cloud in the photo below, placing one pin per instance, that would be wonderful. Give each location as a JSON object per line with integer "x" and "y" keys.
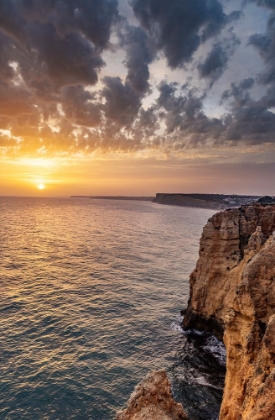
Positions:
{"x": 254, "y": 124}
{"x": 15, "y": 101}
{"x": 80, "y": 106}
{"x": 121, "y": 101}
{"x": 265, "y": 3}
{"x": 55, "y": 99}
{"x": 239, "y": 93}
{"x": 178, "y": 27}
{"x": 57, "y": 40}
{"x": 265, "y": 45}
{"x": 248, "y": 119}
{"x": 65, "y": 61}
{"x": 92, "y": 18}
{"x": 6, "y": 71}
{"x": 139, "y": 54}
{"x": 217, "y": 59}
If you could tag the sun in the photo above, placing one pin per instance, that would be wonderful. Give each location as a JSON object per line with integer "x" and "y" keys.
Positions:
{"x": 41, "y": 186}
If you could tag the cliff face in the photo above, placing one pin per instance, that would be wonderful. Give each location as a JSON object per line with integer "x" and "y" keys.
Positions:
{"x": 232, "y": 292}
{"x": 152, "y": 399}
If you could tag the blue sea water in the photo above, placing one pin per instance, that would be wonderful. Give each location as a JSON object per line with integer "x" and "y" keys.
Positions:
{"x": 91, "y": 292}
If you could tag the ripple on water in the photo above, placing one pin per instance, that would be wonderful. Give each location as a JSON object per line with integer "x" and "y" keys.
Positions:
{"x": 89, "y": 291}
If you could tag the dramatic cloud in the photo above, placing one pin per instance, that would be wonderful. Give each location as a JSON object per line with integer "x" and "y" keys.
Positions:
{"x": 122, "y": 103}
{"x": 178, "y": 27}
{"x": 139, "y": 54}
{"x": 166, "y": 76}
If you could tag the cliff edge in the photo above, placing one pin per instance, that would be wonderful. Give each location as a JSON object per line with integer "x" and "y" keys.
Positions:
{"x": 232, "y": 293}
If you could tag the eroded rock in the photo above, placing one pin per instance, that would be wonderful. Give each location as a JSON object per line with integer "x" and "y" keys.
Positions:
{"x": 152, "y": 399}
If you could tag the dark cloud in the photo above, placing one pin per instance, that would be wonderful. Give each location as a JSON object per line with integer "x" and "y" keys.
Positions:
{"x": 215, "y": 63}
{"x": 147, "y": 123}
{"x": 70, "y": 60}
{"x": 178, "y": 26}
{"x": 6, "y": 71}
{"x": 217, "y": 59}
{"x": 58, "y": 39}
{"x": 52, "y": 54}
{"x": 248, "y": 120}
{"x": 184, "y": 117}
{"x": 139, "y": 54}
{"x": 121, "y": 101}
{"x": 239, "y": 93}
{"x": 265, "y": 3}
{"x": 80, "y": 106}
{"x": 265, "y": 45}
{"x": 254, "y": 124}
{"x": 11, "y": 23}
{"x": 93, "y": 18}
{"x": 172, "y": 100}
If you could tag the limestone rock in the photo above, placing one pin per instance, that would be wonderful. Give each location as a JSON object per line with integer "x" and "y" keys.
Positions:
{"x": 152, "y": 400}
{"x": 232, "y": 293}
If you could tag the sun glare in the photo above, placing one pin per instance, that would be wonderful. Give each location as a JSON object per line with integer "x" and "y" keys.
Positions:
{"x": 41, "y": 186}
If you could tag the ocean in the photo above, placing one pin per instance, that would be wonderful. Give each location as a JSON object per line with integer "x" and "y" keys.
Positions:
{"x": 91, "y": 293}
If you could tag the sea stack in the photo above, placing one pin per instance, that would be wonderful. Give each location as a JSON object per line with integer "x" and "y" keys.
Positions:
{"x": 152, "y": 399}
{"x": 232, "y": 294}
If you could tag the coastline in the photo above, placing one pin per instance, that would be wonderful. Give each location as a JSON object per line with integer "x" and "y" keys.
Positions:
{"x": 206, "y": 201}
{"x": 232, "y": 295}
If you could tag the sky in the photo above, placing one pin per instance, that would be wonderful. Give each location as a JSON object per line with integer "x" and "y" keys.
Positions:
{"x": 135, "y": 97}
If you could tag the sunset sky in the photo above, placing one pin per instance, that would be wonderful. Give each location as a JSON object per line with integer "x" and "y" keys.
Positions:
{"x": 134, "y": 97}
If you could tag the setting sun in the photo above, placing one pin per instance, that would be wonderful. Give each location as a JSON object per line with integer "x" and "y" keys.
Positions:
{"x": 41, "y": 186}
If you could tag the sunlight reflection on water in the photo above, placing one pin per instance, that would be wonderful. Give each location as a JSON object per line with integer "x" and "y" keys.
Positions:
{"x": 89, "y": 291}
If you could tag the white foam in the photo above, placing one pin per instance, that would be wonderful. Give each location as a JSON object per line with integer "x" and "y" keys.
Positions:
{"x": 217, "y": 348}
{"x": 194, "y": 332}
{"x": 176, "y": 327}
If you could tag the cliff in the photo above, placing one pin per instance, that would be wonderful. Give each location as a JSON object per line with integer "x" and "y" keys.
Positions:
{"x": 152, "y": 399}
{"x": 207, "y": 201}
{"x": 185, "y": 200}
{"x": 232, "y": 293}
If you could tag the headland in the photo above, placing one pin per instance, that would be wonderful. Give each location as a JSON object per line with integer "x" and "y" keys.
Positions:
{"x": 206, "y": 201}
{"x": 232, "y": 295}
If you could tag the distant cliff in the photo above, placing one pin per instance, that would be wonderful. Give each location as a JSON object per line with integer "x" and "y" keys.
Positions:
{"x": 232, "y": 293}
{"x": 206, "y": 201}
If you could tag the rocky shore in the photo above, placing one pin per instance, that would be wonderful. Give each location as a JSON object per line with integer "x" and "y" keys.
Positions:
{"x": 152, "y": 399}
{"x": 232, "y": 294}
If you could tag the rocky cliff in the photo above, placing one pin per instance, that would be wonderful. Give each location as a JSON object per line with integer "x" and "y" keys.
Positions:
{"x": 152, "y": 399}
{"x": 232, "y": 293}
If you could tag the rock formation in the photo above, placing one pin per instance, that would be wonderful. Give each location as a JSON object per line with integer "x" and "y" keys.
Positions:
{"x": 152, "y": 400}
{"x": 232, "y": 293}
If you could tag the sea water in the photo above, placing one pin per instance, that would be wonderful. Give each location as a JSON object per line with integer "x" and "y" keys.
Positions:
{"x": 91, "y": 292}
